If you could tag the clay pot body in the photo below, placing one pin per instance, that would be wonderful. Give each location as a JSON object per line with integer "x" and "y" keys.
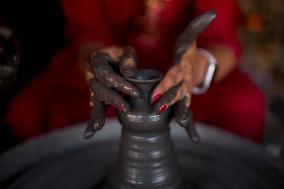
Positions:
{"x": 146, "y": 156}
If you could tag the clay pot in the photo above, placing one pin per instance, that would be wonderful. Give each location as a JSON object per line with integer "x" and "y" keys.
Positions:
{"x": 146, "y": 157}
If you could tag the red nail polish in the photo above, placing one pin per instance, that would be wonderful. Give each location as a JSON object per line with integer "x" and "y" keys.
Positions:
{"x": 121, "y": 107}
{"x": 162, "y": 109}
{"x": 155, "y": 98}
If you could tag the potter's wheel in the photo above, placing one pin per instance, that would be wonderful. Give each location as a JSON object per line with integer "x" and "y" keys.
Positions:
{"x": 64, "y": 160}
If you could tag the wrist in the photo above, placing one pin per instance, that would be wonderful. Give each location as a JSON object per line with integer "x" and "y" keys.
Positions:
{"x": 206, "y": 73}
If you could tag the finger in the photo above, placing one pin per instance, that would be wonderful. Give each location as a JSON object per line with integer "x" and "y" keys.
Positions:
{"x": 108, "y": 96}
{"x": 171, "y": 79}
{"x": 181, "y": 113}
{"x": 97, "y": 118}
{"x": 98, "y": 59}
{"x": 115, "y": 52}
{"x": 191, "y": 33}
{"x": 191, "y": 130}
{"x": 184, "y": 118}
{"x": 128, "y": 62}
{"x": 181, "y": 93}
{"x": 109, "y": 55}
{"x": 88, "y": 75}
{"x": 168, "y": 96}
{"x": 105, "y": 73}
{"x": 111, "y": 79}
{"x": 187, "y": 99}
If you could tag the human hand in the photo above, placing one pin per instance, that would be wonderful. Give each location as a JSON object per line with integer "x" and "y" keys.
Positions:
{"x": 9, "y": 57}
{"x": 188, "y": 71}
{"x": 106, "y": 84}
{"x": 175, "y": 89}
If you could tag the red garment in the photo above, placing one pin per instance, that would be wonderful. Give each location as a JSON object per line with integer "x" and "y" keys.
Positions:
{"x": 60, "y": 96}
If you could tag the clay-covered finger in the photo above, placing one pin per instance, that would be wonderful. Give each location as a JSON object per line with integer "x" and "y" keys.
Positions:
{"x": 97, "y": 59}
{"x": 165, "y": 100}
{"x": 171, "y": 79}
{"x": 184, "y": 118}
{"x": 115, "y": 52}
{"x": 97, "y": 118}
{"x": 181, "y": 93}
{"x": 108, "y": 96}
{"x": 104, "y": 72}
{"x": 128, "y": 62}
{"x": 191, "y": 33}
{"x": 111, "y": 79}
{"x": 191, "y": 129}
{"x": 182, "y": 115}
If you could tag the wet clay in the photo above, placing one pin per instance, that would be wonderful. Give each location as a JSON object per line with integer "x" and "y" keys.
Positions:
{"x": 146, "y": 157}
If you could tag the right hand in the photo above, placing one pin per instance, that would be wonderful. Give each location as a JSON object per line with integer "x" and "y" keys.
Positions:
{"x": 106, "y": 85}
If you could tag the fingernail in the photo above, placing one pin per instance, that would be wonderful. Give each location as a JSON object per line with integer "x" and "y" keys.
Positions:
{"x": 155, "y": 98}
{"x": 122, "y": 108}
{"x": 161, "y": 109}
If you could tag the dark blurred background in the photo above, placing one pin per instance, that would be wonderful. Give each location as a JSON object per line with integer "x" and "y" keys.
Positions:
{"x": 39, "y": 26}
{"x": 262, "y": 37}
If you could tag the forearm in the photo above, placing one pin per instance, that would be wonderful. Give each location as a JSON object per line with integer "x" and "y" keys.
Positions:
{"x": 226, "y": 59}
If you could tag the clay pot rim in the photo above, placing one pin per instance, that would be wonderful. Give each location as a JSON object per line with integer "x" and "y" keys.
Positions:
{"x": 155, "y": 74}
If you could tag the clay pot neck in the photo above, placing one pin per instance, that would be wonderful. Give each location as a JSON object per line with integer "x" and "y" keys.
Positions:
{"x": 145, "y": 80}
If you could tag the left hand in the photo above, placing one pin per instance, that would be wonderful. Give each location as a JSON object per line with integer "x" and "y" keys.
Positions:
{"x": 177, "y": 83}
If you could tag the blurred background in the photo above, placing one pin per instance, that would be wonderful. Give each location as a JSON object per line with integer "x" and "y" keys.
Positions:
{"x": 261, "y": 34}
{"x": 263, "y": 59}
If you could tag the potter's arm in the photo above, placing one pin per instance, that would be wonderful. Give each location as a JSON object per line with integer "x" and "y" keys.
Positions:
{"x": 106, "y": 86}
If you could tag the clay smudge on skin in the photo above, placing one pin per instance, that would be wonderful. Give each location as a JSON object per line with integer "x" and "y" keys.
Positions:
{"x": 107, "y": 95}
{"x": 97, "y": 118}
{"x": 184, "y": 118}
{"x": 166, "y": 98}
{"x": 191, "y": 33}
{"x": 128, "y": 62}
{"x": 107, "y": 76}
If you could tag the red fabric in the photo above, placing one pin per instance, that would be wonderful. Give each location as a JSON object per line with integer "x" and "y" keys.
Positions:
{"x": 60, "y": 96}
{"x": 235, "y": 105}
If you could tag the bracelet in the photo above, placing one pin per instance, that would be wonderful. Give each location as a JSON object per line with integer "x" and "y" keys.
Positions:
{"x": 212, "y": 64}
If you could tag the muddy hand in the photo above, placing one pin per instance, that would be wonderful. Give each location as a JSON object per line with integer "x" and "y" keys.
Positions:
{"x": 107, "y": 86}
{"x": 184, "y": 118}
{"x": 181, "y": 78}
